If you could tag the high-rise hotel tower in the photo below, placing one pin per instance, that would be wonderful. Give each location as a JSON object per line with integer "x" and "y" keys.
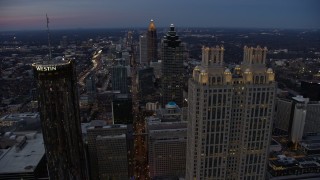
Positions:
{"x": 59, "y": 114}
{"x": 172, "y": 68}
{"x": 152, "y": 44}
{"x": 230, "y": 116}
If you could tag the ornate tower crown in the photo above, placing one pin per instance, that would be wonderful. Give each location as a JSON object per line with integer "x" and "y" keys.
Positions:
{"x": 152, "y": 26}
{"x": 253, "y": 56}
{"x": 212, "y": 56}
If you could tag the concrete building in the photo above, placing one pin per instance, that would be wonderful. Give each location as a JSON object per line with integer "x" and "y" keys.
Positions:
{"x": 20, "y": 121}
{"x": 151, "y": 106}
{"x": 112, "y": 157}
{"x": 230, "y": 117}
{"x": 282, "y": 116}
{"x": 171, "y": 113}
{"x": 166, "y": 148}
{"x": 24, "y": 160}
{"x": 96, "y": 133}
{"x": 290, "y": 168}
{"x": 172, "y": 68}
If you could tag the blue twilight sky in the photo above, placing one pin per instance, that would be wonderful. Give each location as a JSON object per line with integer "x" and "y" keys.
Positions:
{"x": 30, "y": 14}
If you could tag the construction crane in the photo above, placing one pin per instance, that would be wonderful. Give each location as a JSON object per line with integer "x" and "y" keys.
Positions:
{"x": 141, "y": 167}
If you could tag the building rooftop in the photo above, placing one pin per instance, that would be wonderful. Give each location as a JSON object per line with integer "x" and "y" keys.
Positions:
{"x": 300, "y": 99}
{"x": 16, "y": 116}
{"x": 25, "y": 159}
{"x": 108, "y": 126}
{"x": 111, "y": 137}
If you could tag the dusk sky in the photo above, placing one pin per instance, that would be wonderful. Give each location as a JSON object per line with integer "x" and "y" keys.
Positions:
{"x": 30, "y": 14}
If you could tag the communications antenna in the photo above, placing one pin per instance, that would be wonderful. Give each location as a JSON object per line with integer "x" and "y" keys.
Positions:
{"x": 48, "y": 37}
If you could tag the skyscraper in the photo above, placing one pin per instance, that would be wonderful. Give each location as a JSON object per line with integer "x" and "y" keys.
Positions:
{"x": 172, "y": 68}
{"x": 152, "y": 44}
{"x": 230, "y": 117}
{"x": 119, "y": 78}
{"x": 143, "y": 49}
{"x": 59, "y": 114}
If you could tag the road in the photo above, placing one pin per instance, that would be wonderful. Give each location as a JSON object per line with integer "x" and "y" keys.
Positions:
{"x": 96, "y": 61}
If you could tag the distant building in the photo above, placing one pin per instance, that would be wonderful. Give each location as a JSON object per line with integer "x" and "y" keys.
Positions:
{"x": 122, "y": 111}
{"x": 150, "y": 106}
{"x": 145, "y": 79}
{"x": 157, "y": 69}
{"x": 171, "y": 113}
{"x": 91, "y": 87}
{"x": 20, "y": 121}
{"x": 282, "y": 116}
{"x": 311, "y": 90}
{"x": 24, "y": 160}
{"x": 119, "y": 78}
{"x": 297, "y": 118}
{"x": 126, "y": 56}
{"x": 152, "y": 44}
{"x": 143, "y": 48}
{"x": 97, "y": 144}
{"x": 172, "y": 68}
{"x": 58, "y": 100}
{"x": 230, "y": 116}
{"x": 289, "y": 168}
{"x": 167, "y": 145}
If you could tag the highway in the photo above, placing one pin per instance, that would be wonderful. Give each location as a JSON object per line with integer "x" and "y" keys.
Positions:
{"x": 96, "y": 61}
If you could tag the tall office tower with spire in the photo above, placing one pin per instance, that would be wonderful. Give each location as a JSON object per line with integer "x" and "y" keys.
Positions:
{"x": 152, "y": 44}
{"x": 56, "y": 82}
{"x": 172, "y": 68}
{"x": 230, "y": 117}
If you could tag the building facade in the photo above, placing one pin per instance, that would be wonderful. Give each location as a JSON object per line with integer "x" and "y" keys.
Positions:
{"x": 145, "y": 78}
{"x": 112, "y": 157}
{"x": 119, "y": 78}
{"x": 230, "y": 117}
{"x": 152, "y": 43}
{"x": 97, "y": 143}
{"x": 60, "y": 121}
{"x": 143, "y": 49}
{"x": 167, "y": 142}
{"x": 172, "y": 68}
{"x": 297, "y": 117}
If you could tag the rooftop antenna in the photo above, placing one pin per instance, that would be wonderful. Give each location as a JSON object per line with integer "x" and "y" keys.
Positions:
{"x": 48, "y": 37}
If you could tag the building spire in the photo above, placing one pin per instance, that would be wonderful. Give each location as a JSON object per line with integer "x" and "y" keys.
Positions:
{"x": 152, "y": 26}
{"x": 49, "y": 45}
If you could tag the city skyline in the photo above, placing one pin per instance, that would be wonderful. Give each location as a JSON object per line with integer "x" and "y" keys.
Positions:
{"x": 15, "y": 15}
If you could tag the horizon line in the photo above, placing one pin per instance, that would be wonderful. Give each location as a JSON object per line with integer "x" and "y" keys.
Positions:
{"x": 160, "y": 27}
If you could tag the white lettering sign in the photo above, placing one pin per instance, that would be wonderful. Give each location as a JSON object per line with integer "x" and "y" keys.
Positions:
{"x": 46, "y": 68}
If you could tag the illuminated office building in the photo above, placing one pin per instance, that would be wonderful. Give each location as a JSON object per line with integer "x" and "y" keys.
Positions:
{"x": 59, "y": 115}
{"x": 172, "y": 68}
{"x": 230, "y": 117}
{"x": 152, "y": 44}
